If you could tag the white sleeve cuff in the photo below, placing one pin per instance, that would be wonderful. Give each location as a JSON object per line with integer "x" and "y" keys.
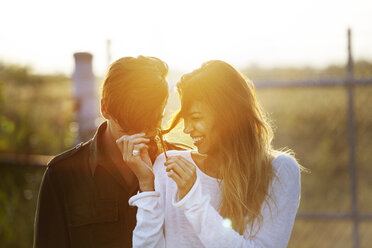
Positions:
{"x": 192, "y": 199}
{"x": 142, "y": 199}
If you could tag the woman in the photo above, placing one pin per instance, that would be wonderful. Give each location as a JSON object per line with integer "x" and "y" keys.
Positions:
{"x": 235, "y": 191}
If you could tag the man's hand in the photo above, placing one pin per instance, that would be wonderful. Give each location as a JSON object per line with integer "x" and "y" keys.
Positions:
{"x": 183, "y": 172}
{"x": 140, "y": 162}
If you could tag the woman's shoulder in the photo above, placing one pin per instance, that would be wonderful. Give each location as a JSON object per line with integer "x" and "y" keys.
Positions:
{"x": 285, "y": 165}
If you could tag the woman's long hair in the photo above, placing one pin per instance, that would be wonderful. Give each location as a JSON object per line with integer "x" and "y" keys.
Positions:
{"x": 244, "y": 136}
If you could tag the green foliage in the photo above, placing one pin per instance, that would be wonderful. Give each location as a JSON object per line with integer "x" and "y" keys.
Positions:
{"x": 35, "y": 113}
{"x": 18, "y": 193}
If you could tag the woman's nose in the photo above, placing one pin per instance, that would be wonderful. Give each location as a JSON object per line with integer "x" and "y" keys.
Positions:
{"x": 187, "y": 127}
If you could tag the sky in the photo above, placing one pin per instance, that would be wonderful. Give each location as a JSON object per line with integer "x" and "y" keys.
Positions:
{"x": 44, "y": 34}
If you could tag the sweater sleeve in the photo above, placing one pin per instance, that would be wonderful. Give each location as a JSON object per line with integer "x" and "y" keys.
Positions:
{"x": 150, "y": 214}
{"x": 278, "y": 218}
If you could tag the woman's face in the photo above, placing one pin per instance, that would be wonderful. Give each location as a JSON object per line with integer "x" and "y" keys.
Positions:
{"x": 199, "y": 124}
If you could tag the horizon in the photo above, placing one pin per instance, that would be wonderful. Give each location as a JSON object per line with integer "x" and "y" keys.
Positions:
{"x": 243, "y": 67}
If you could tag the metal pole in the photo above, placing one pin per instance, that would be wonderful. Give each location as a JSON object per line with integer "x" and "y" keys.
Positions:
{"x": 351, "y": 140}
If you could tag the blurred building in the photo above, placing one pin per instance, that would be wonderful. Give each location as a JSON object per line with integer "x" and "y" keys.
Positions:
{"x": 85, "y": 94}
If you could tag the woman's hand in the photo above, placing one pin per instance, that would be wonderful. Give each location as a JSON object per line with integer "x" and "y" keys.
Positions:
{"x": 183, "y": 172}
{"x": 140, "y": 162}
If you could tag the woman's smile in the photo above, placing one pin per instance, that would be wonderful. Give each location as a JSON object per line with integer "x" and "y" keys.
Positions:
{"x": 199, "y": 122}
{"x": 197, "y": 140}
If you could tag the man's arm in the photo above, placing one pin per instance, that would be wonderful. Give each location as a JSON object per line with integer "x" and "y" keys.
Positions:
{"x": 50, "y": 223}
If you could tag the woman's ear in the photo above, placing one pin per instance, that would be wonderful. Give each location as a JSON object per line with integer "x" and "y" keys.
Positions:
{"x": 104, "y": 111}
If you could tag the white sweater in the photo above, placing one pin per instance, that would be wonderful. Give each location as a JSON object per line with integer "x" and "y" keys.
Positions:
{"x": 195, "y": 222}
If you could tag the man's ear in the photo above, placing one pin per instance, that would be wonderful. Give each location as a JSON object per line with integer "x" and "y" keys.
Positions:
{"x": 104, "y": 111}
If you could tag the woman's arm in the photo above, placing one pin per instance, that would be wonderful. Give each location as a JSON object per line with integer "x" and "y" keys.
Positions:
{"x": 277, "y": 224}
{"x": 150, "y": 219}
{"x": 150, "y": 213}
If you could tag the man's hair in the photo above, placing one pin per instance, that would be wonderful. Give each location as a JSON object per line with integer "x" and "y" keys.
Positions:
{"x": 133, "y": 91}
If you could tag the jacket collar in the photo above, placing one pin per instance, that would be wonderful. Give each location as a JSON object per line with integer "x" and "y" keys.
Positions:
{"x": 98, "y": 157}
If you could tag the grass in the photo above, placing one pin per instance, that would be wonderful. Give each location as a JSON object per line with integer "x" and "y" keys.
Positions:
{"x": 313, "y": 122}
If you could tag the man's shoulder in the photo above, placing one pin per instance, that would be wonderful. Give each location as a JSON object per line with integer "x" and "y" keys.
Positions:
{"x": 65, "y": 157}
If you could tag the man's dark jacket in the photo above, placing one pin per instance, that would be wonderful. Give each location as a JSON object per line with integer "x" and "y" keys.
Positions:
{"x": 83, "y": 201}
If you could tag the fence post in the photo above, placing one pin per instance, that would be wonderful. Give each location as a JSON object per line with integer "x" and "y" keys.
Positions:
{"x": 351, "y": 141}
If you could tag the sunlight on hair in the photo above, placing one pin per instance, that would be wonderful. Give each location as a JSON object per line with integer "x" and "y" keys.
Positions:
{"x": 226, "y": 222}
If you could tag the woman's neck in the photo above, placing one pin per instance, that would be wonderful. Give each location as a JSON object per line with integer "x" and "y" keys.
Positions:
{"x": 208, "y": 164}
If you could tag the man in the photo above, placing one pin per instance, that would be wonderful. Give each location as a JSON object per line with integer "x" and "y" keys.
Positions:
{"x": 83, "y": 199}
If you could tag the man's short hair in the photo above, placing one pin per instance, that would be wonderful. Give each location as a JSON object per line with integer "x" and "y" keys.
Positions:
{"x": 133, "y": 91}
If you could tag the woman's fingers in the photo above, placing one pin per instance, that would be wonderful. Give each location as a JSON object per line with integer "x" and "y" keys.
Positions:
{"x": 138, "y": 135}
{"x": 132, "y": 143}
{"x": 177, "y": 179}
{"x": 140, "y": 163}
{"x": 121, "y": 144}
{"x": 176, "y": 168}
{"x": 141, "y": 148}
{"x": 183, "y": 172}
{"x": 127, "y": 144}
{"x": 183, "y": 163}
{"x": 188, "y": 164}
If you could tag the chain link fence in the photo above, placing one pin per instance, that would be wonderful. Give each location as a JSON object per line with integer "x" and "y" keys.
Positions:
{"x": 314, "y": 122}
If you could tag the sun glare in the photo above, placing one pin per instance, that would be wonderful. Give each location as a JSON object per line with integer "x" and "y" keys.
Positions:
{"x": 183, "y": 33}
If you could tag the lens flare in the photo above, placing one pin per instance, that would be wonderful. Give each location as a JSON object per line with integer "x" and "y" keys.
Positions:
{"x": 226, "y": 223}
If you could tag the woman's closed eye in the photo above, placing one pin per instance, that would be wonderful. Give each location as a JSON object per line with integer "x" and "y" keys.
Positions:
{"x": 196, "y": 117}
